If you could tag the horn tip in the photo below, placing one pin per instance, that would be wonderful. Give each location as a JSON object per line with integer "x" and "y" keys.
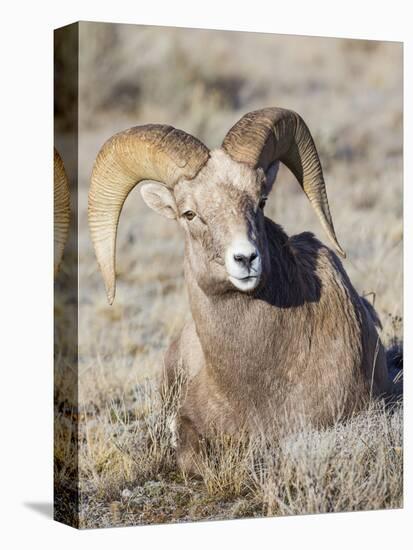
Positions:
{"x": 110, "y": 294}
{"x": 341, "y": 252}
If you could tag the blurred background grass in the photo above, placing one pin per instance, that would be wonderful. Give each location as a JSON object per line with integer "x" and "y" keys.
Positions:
{"x": 350, "y": 94}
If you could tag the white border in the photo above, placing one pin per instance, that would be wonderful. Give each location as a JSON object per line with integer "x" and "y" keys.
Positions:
{"x": 26, "y": 265}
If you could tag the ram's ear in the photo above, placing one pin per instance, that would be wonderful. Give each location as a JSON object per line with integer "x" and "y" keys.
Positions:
{"x": 160, "y": 199}
{"x": 270, "y": 174}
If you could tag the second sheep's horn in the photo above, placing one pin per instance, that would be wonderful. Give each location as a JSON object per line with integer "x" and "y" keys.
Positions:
{"x": 61, "y": 209}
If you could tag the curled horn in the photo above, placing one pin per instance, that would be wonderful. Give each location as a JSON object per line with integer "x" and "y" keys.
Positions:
{"x": 261, "y": 137}
{"x": 151, "y": 152}
{"x": 61, "y": 209}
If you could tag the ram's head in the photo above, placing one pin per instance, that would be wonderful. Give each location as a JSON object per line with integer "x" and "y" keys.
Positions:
{"x": 218, "y": 197}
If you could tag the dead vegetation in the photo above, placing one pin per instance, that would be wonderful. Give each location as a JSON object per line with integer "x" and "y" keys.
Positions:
{"x": 128, "y": 473}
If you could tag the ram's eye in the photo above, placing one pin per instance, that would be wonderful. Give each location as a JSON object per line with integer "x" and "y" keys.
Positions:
{"x": 262, "y": 202}
{"x": 189, "y": 215}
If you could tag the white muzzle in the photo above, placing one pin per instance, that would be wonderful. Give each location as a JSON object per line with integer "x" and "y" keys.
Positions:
{"x": 243, "y": 264}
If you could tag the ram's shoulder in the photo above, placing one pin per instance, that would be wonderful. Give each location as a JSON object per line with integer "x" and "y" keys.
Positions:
{"x": 306, "y": 245}
{"x": 310, "y": 253}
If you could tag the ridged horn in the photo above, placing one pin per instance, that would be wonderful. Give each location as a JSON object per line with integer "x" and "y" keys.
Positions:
{"x": 61, "y": 197}
{"x": 261, "y": 137}
{"x": 151, "y": 152}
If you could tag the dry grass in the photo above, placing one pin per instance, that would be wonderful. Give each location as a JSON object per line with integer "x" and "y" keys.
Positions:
{"x": 128, "y": 473}
{"x": 350, "y": 94}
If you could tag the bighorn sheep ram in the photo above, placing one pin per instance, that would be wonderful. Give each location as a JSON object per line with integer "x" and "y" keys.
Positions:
{"x": 277, "y": 331}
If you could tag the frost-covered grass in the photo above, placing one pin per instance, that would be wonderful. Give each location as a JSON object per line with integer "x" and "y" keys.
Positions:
{"x": 128, "y": 473}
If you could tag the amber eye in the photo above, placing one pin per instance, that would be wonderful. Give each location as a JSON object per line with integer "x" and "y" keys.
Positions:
{"x": 262, "y": 202}
{"x": 189, "y": 215}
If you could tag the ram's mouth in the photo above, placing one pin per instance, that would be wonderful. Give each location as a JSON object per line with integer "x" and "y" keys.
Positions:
{"x": 250, "y": 282}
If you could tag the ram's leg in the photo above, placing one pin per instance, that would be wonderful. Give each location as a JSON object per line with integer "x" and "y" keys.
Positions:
{"x": 188, "y": 447}
{"x": 184, "y": 362}
{"x": 172, "y": 364}
{"x": 196, "y": 423}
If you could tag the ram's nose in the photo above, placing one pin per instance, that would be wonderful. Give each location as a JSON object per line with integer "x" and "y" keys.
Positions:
{"x": 246, "y": 260}
{"x": 242, "y": 257}
{"x": 243, "y": 264}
